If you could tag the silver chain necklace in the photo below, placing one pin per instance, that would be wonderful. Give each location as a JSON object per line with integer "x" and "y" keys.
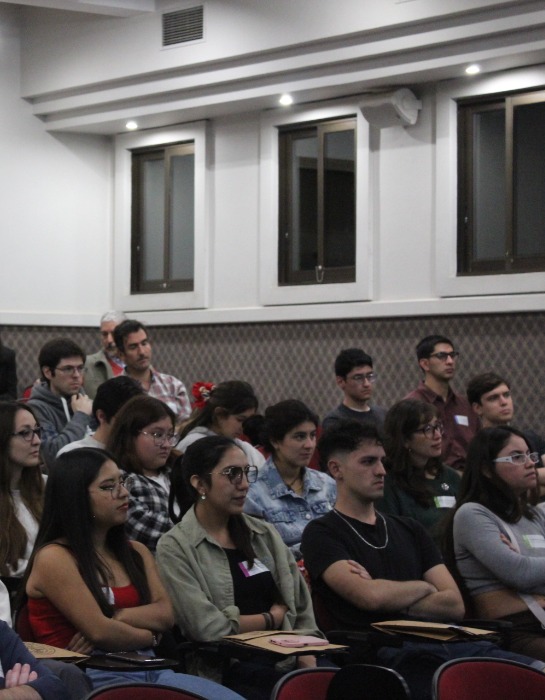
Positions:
{"x": 374, "y": 546}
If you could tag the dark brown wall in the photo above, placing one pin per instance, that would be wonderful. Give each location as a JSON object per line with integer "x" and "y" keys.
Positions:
{"x": 284, "y": 360}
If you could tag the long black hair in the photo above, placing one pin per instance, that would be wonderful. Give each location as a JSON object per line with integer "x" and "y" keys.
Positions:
{"x": 228, "y": 398}
{"x": 199, "y": 459}
{"x": 481, "y": 484}
{"x": 68, "y": 516}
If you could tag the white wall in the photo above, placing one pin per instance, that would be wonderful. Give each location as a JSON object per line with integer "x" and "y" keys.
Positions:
{"x": 58, "y": 232}
{"x": 56, "y": 208}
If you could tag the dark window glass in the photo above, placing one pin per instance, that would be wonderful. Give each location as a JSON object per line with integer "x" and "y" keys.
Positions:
{"x": 163, "y": 219}
{"x": 501, "y": 185}
{"x": 317, "y": 237}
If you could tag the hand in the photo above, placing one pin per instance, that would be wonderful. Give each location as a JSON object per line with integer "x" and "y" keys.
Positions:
{"x": 508, "y": 542}
{"x": 20, "y": 675}
{"x": 82, "y": 403}
{"x": 359, "y": 570}
{"x": 80, "y": 645}
{"x": 278, "y": 611}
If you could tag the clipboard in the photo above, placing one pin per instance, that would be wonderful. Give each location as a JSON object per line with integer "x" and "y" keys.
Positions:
{"x": 262, "y": 641}
{"x": 438, "y": 631}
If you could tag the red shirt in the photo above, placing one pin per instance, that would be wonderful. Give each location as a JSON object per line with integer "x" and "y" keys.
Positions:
{"x": 460, "y": 421}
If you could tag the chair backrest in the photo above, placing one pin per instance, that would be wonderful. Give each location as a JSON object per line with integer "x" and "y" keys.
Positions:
{"x": 367, "y": 682}
{"x": 495, "y": 679}
{"x": 304, "y": 684}
{"x": 142, "y": 691}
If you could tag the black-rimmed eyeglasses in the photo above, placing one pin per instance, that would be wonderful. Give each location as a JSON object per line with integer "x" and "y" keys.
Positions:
{"x": 234, "y": 474}
{"x": 29, "y": 433}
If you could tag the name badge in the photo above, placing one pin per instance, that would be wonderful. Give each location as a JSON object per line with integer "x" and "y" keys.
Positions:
{"x": 445, "y": 501}
{"x": 461, "y": 420}
{"x": 534, "y": 541}
{"x": 257, "y": 568}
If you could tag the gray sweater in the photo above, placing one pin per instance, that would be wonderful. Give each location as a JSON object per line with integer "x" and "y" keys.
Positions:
{"x": 487, "y": 564}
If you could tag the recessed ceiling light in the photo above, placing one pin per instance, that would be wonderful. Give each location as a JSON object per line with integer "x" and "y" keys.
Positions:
{"x": 286, "y": 100}
{"x": 473, "y": 69}
{"x": 131, "y": 126}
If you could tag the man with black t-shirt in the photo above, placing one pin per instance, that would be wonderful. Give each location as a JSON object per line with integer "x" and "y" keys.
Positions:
{"x": 367, "y": 567}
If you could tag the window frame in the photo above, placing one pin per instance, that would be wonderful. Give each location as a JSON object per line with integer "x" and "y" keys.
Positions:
{"x": 286, "y": 137}
{"x": 165, "y": 283}
{"x": 125, "y": 144}
{"x": 445, "y": 251}
{"x": 271, "y": 291}
{"x": 510, "y": 262}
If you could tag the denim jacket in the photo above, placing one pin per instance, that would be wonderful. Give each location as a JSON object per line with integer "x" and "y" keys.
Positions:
{"x": 269, "y": 498}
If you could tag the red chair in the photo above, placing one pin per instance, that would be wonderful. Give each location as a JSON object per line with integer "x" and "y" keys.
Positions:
{"x": 143, "y": 691}
{"x": 304, "y": 684}
{"x": 493, "y": 679}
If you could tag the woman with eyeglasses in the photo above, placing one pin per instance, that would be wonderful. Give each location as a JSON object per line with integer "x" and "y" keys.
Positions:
{"x": 496, "y": 537}
{"x": 287, "y": 493}
{"x": 221, "y": 409}
{"x": 141, "y": 441}
{"x": 226, "y": 572}
{"x": 21, "y": 489}
{"x": 417, "y": 482}
{"x": 88, "y": 588}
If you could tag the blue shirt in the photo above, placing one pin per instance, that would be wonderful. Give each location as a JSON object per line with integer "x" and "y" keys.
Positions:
{"x": 269, "y": 498}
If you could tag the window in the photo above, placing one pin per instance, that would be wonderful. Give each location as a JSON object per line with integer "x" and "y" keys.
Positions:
{"x": 317, "y": 203}
{"x": 501, "y": 180}
{"x": 163, "y": 219}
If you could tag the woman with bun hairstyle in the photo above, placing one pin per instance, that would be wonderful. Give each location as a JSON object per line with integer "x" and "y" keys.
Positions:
{"x": 221, "y": 409}
{"x": 226, "y": 572}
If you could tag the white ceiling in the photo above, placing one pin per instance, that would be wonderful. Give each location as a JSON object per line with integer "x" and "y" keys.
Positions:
{"x": 115, "y": 8}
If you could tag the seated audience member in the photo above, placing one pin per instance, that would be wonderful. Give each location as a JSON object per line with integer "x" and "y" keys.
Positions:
{"x": 21, "y": 489}
{"x": 491, "y": 398}
{"x": 22, "y": 677}
{"x": 355, "y": 377}
{"x": 77, "y": 684}
{"x": 104, "y": 364}
{"x": 498, "y": 536}
{"x": 401, "y": 573}
{"x": 111, "y": 395}
{"x": 134, "y": 347}
{"x": 417, "y": 483}
{"x": 287, "y": 493}
{"x": 226, "y": 572}
{"x": 141, "y": 440}
{"x": 8, "y": 373}
{"x": 222, "y": 410}
{"x": 59, "y": 402}
{"x": 88, "y": 587}
{"x": 438, "y": 359}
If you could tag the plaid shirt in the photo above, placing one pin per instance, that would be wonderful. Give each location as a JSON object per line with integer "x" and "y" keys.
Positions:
{"x": 171, "y": 391}
{"x": 148, "y": 511}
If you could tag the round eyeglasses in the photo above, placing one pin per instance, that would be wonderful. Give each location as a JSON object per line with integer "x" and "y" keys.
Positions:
{"x": 429, "y": 430}
{"x": 29, "y": 433}
{"x": 234, "y": 474}
{"x": 115, "y": 489}
{"x": 159, "y": 438}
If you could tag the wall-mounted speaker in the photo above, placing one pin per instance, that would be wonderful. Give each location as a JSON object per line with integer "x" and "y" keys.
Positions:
{"x": 397, "y": 108}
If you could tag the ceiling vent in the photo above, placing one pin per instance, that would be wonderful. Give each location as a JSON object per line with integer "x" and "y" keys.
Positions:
{"x": 183, "y": 25}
